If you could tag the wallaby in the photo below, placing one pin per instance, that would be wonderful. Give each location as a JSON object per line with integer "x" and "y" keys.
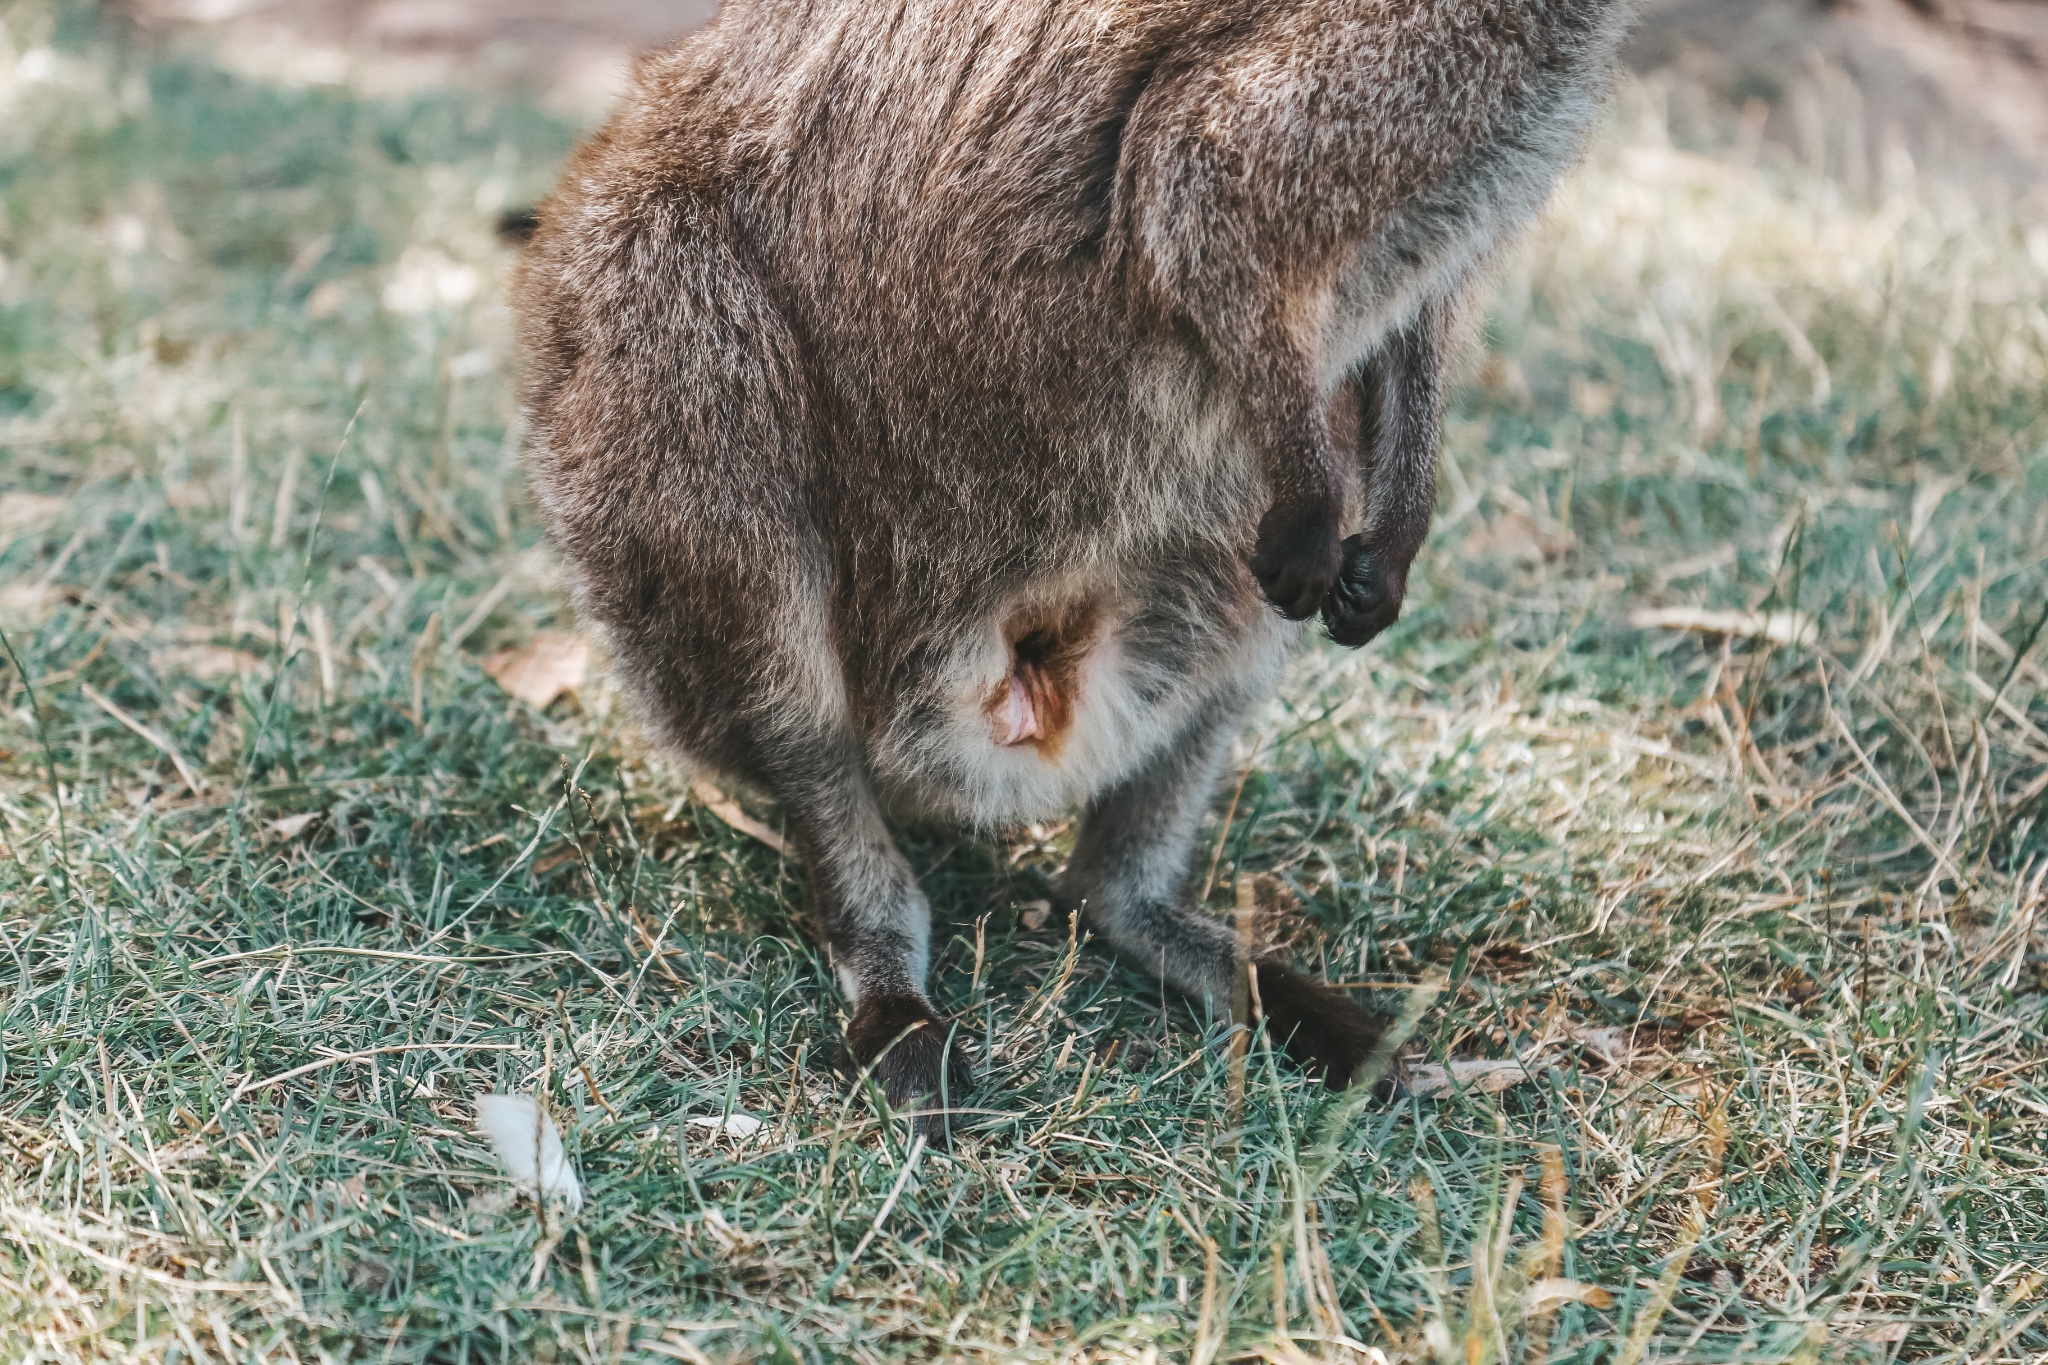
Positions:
{"x": 952, "y": 407}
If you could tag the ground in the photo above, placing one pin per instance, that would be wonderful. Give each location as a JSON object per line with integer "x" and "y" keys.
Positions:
{"x": 1694, "y": 815}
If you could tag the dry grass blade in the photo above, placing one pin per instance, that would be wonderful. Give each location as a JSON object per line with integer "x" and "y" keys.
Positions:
{"x": 1779, "y": 627}
{"x": 156, "y": 741}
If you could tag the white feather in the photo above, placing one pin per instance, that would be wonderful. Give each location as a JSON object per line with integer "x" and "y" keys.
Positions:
{"x": 528, "y": 1146}
{"x": 739, "y": 1125}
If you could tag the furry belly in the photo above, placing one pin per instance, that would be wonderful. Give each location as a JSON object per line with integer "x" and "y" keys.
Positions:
{"x": 1042, "y": 708}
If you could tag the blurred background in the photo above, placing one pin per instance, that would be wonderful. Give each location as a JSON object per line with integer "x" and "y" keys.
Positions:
{"x": 1963, "y": 83}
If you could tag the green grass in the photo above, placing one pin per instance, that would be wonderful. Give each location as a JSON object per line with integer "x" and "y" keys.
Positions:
{"x": 1764, "y": 919}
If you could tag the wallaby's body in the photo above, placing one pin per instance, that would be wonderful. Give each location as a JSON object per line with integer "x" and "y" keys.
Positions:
{"x": 935, "y": 400}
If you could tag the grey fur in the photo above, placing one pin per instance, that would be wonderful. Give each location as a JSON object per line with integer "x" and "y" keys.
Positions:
{"x": 932, "y": 400}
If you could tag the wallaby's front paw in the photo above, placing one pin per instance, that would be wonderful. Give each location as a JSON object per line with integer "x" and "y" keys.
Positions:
{"x": 1366, "y": 598}
{"x": 1322, "y": 1031}
{"x": 903, "y": 1045}
{"x": 1296, "y": 559}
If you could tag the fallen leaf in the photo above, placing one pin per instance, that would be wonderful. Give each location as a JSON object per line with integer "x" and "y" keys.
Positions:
{"x": 1034, "y": 915}
{"x": 292, "y": 826}
{"x": 738, "y": 1125}
{"x": 1779, "y": 627}
{"x": 1547, "y": 1294}
{"x": 1489, "y": 1077}
{"x": 28, "y": 511}
{"x": 206, "y": 662}
{"x": 551, "y": 663}
{"x": 728, "y": 810}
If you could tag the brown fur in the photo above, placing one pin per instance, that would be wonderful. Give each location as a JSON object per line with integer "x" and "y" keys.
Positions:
{"x": 880, "y": 351}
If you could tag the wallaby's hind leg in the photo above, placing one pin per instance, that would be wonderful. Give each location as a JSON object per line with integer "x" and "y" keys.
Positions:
{"x": 1130, "y": 871}
{"x": 876, "y": 921}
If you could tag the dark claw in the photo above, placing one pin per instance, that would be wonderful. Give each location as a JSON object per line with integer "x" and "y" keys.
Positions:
{"x": 904, "y": 1047}
{"x": 1365, "y": 599}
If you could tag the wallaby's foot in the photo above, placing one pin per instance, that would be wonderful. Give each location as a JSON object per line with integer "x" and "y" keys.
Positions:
{"x": 1322, "y": 1031}
{"x": 1365, "y": 600}
{"x": 1297, "y": 559}
{"x": 903, "y": 1045}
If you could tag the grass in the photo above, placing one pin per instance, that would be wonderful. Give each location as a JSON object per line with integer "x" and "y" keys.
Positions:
{"x": 1761, "y": 917}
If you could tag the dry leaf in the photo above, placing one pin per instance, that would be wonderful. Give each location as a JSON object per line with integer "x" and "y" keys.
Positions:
{"x": 292, "y": 826}
{"x": 206, "y": 662}
{"x": 1779, "y": 627}
{"x": 1034, "y": 914}
{"x": 728, "y": 810}
{"x": 1547, "y": 1294}
{"x": 1490, "y": 1077}
{"x": 551, "y": 663}
{"x": 28, "y": 511}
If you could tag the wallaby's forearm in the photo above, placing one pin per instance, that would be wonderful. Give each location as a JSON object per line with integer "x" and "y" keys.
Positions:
{"x": 1400, "y": 396}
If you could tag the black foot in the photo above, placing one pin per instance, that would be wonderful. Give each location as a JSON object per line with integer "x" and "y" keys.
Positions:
{"x": 903, "y": 1047}
{"x": 1366, "y": 598}
{"x": 1322, "y": 1031}
{"x": 1296, "y": 559}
